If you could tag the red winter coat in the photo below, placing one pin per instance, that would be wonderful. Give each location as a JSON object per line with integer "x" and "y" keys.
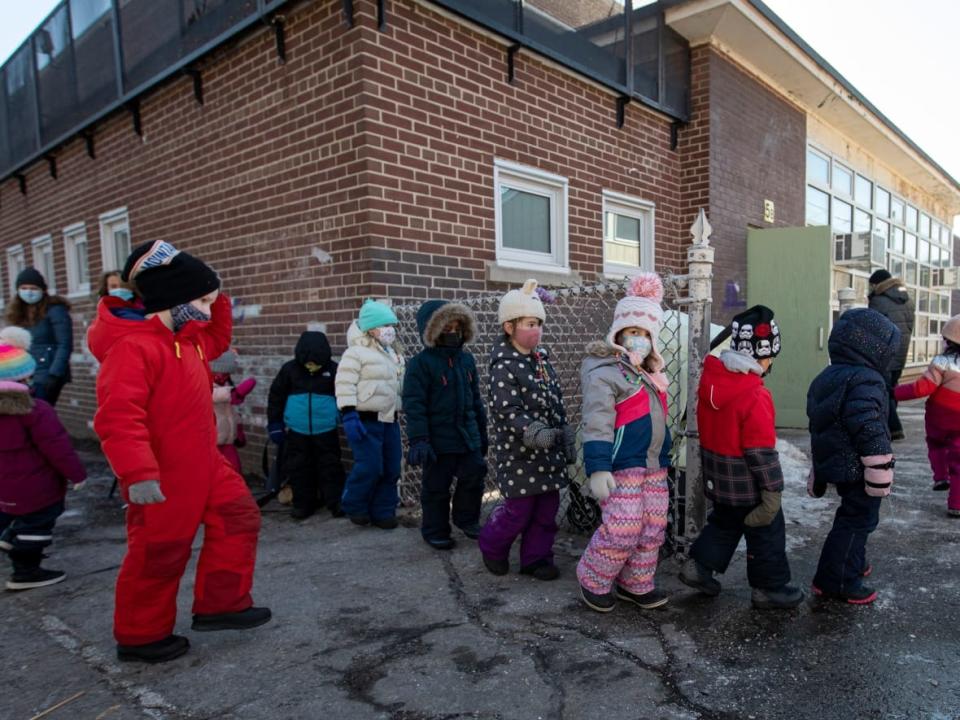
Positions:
{"x": 154, "y": 406}
{"x": 36, "y": 455}
{"x": 738, "y": 439}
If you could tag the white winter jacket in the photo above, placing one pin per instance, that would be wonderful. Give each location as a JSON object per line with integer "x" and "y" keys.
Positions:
{"x": 368, "y": 378}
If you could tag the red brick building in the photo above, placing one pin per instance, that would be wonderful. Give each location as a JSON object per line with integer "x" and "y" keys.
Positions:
{"x": 319, "y": 151}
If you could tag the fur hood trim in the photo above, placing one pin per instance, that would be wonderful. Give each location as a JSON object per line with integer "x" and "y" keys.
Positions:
{"x": 446, "y": 314}
{"x": 15, "y": 401}
{"x": 881, "y": 288}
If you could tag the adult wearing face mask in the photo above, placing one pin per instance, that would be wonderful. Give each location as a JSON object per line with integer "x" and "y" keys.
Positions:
{"x": 155, "y": 421}
{"x": 47, "y": 317}
{"x": 112, "y": 285}
{"x": 368, "y": 385}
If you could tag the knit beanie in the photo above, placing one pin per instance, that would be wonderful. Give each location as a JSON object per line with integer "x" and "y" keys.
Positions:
{"x": 16, "y": 363}
{"x": 31, "y": 276}
{"x": 375, "y": 314}
{"x": 879, "y": 276}
{"x": 226, "y": 364}
{"x": 755, "y": 333}
{"x": 951, "y": 331}
{"x": 640, "y": 307}
{"x": 166, "y": 277}
{"x": 522, "y": 302}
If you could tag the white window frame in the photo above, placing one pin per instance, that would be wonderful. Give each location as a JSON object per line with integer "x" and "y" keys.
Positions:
{"x": 108, "y": 221}
{"x": 75, "y": 288}
{"x": 645, "y": 212}
{"x": 38, "y": 246}
{"x": 12, "y": 271}
{"x": 538, "y": 182}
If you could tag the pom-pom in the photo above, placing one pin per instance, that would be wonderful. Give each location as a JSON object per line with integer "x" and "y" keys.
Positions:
{"x": 646, "y": 285}
{"x": 16, "y": 336}
{"x": 529, "y": 287}
{"x": 546, "y": 297}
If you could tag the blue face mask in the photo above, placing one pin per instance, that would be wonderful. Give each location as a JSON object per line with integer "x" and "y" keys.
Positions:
{"x": 30, "y": 297}
{"x": 122, "y": 293}
{"x": 638, "y": 344}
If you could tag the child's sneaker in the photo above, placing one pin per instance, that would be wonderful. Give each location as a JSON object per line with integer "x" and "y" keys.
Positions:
{"x": 700, "y": 578}
{"x": 541, "y": 570}
{"x": 953, "y": 512}
{"x": 941, "y": 485}
{"x": 38, "y": 577}
{"x": 170, "y": 648}
{"x": 863, "y": 595}
{"x": 647, "y": 601}
{"x": 781, "y": 599}
{"x": 600, "y": 603}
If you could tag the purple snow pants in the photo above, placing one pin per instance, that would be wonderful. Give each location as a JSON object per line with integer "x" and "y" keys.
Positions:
{"x": 534, "y": 517}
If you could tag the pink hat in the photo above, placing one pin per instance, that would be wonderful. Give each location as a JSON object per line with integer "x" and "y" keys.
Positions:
{"x": 641, "y": 308}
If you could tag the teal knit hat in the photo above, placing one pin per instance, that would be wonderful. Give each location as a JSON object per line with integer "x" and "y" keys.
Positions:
{"x": 375, "y": 314}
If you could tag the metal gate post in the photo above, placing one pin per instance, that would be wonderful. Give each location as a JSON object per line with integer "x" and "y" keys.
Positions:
{"x": 700, "y": 276}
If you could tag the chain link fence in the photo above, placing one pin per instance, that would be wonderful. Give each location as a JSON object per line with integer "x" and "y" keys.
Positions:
{"x": 581, "y": 313}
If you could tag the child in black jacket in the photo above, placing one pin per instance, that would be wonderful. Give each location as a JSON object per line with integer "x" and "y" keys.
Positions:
{"x": 302, "y": 421}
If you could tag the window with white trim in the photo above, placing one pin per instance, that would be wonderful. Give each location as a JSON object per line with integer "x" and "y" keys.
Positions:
{"x": 43, "y": 261}
{"x": 75, "y": 252}
{"x": 114, "y": 239}
{"x": 530, "y": 208}
{"x": 628, "y": 245}
{"x": 16, "y": 263}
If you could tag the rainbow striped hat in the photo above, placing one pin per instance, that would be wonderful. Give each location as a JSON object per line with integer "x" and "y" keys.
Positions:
{"x": 15, "y": 362}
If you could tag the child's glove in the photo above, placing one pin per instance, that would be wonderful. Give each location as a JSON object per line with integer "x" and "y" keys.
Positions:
{"x": 878, "y": 474}
{"x": 764, "y": 513}
{"x": 815, "y": 488}
{"x": 277, "y": 432}
{"x": 240, "y": 392}
{"x": 537, "y": 436}
{"x": 420, "y": 453}
{"x": 570, "y": 444}
{"x": 146, "y": 493}
{"x": 353, "y": 427}
{"x": 602, "y": 483}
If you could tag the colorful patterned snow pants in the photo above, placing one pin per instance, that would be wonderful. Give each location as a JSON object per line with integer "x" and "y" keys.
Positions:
{"x": 625, "y": 547}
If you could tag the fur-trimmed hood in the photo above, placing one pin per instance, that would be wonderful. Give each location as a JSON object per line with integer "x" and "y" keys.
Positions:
{"x": 881, "y": 288}
{"x": 15, "y": 401}
{"x": 434, "y": 315}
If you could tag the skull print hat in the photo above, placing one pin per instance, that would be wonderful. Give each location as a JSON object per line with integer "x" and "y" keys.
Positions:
{"x": 754, "y": 332}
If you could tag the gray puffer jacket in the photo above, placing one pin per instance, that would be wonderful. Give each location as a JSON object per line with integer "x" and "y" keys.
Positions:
{"x": 891, "y": 300}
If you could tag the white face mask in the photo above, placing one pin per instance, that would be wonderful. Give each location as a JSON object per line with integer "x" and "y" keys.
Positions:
{"x": 387, "y": 336}
{"x": 638, "y": 344}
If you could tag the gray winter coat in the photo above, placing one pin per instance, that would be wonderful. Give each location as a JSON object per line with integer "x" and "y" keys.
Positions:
{"x": 891, "y": 300}
{"x": 524, "y": 390}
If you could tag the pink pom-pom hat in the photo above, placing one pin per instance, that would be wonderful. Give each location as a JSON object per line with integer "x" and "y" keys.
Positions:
{"x": 641, "y": 308}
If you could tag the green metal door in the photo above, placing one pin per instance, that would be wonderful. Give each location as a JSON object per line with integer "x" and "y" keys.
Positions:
{"x": 789, "y": 270}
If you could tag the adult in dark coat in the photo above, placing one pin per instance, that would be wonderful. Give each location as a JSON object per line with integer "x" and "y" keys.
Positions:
{"x": 47, "y": 317}
{"x": 889, "y": 297}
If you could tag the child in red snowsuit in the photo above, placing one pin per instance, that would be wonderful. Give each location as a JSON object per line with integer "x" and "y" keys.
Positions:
{"x": 156, "y": 424}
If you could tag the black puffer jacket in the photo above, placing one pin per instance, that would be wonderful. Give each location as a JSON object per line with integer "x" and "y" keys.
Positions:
{"x": 301, "y": 400}
{"x": 847, "y": 403}
{"x": 891, "y": 300}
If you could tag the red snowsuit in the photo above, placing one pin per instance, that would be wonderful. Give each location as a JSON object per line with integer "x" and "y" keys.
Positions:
{"x": 155, "y": 421}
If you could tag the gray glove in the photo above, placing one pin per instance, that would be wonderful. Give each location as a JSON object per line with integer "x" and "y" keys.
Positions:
{"x": 570, "y": 444}
{"x": 538, "y": 436}
{"x": 764, "y": 513}
{"x": 146, "y": 493}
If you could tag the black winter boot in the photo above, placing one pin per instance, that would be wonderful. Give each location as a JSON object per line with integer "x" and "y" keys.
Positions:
{"x": 863, "y": 595}
{"x": 497, "y": 567}
{"x": 647, "y": 601}
{"x": 541, "y": 570}
{"x": 250, "y": 618}
{"x": 472, "y": 530}
{"x": 170, "y": 648}
{"x": 780, "y": 599}
{"x": 35, "y": 578}
{"x": 600, "y": 603}
{"x": 700, "y": 578}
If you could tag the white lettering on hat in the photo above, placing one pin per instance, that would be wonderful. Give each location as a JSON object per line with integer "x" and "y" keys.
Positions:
{"x": 161, "y": 253}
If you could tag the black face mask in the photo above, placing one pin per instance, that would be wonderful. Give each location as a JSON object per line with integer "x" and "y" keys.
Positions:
{"x": 450, "y": 340}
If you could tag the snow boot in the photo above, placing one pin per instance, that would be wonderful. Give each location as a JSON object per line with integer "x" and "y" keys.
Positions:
{"x": 647, "y": 601}
{"x": 250, "y": 618}
{"x": 441, "y": 543}
{"x": 35, "y": 578}
{"x": 600, "y": 603}
{"x": 472, "y": 530}
{"x": 541, "y": 570}
{"x": 497, "y": 567}
{"x": 783, "y": 598}
{"x": 862, "y": 595}
{"x": 700, "y": 578}
{"x": 170, "y": 648}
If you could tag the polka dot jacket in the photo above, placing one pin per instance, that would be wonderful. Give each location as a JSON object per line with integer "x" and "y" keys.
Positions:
{"x": 524, "y": 389}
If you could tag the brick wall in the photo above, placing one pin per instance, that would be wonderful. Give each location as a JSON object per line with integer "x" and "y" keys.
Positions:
{"x": 373, "y": 149}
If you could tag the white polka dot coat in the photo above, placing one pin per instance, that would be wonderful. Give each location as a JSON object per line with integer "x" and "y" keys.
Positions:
{"x": 524, "y": 389}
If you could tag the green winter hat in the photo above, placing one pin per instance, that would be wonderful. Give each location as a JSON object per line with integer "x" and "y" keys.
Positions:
{"x": 375, "y": 314}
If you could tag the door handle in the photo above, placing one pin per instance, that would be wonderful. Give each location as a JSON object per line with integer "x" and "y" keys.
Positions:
{"x": 820, "y": 342}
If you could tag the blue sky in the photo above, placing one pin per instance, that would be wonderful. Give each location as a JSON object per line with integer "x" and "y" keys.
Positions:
{"x": 901, "y": 55}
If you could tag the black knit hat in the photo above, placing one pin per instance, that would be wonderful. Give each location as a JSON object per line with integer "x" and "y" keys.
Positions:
{"x": 880, "y": 276}
{"x": 31, "y": 276}
{"x": 754, "y": 332}
{"x": 166, "y": 277}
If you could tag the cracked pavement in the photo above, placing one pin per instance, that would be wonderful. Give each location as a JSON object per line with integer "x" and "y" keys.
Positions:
{"x": 375, "y": 624}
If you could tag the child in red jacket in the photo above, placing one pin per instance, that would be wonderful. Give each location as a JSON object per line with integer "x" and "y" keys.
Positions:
{"x": 741, "y": 467}
{"x": 36, "y": 461}
{"x": 156, "y": 424}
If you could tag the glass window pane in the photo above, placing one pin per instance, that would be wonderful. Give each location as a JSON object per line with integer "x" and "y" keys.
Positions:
{"x": 622, "y": 239}
{"x": 121, "y": 244}
{"x": 861, "y": 221}
{"x": 911, "y": 272}
{"x": 896, "y": 266}
{"x": 525, "y": 218}
{"x": 83, "y": 269}
{"x": 925, "y": 225}
{"x": 897, "y": 210}
{"x": 883, "y": 202}
{"x": 923, "y": 251}
{"x": 628, "y": 228}
{"x": 911, "y": 217}
{"x": 881, "y": 231}
{"x": 924, "y": 276}
{"x": 818, "y": 168}
{"x": 842, "y": 179}
{"x": 911, "y": 245}
{"x": 842, "y": 216}
{"x": 864, "y": 191}
{"x": 896, "y": 239}
{"x": 818, "y": 207}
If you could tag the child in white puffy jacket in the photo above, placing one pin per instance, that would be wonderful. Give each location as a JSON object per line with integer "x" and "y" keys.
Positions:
{"x": 368, "y": 387}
